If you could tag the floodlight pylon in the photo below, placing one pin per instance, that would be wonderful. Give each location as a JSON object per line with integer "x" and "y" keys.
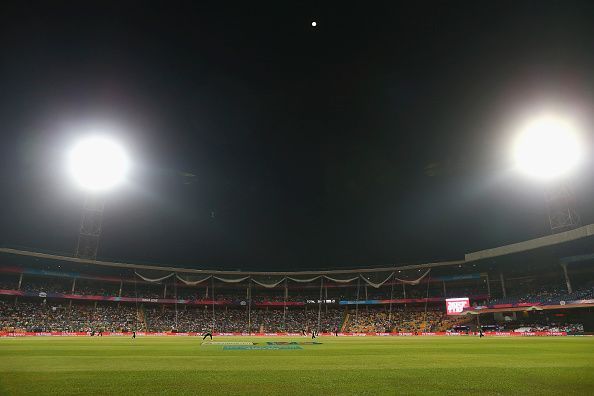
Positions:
{"x": 91, "y": 224}
{"x": 561, "y": 206}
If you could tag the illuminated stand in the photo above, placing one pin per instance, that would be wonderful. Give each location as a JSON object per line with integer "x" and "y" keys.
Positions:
{"x": 98, "y": 165}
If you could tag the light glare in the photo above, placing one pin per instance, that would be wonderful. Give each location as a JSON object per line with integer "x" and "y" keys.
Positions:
{"x": 98, "y": 163}
{"x": 547, "y": 147}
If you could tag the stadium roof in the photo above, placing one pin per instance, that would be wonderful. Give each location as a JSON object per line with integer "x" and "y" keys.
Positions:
{"x": 219, "y": 272}
{"x": 549, "y": 240}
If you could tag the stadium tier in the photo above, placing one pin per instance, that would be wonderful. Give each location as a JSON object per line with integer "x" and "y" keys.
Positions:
{"x": 528, "y": 291}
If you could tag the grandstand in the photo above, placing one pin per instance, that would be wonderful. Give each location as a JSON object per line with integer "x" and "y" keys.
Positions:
{"x": 541, "y": 285}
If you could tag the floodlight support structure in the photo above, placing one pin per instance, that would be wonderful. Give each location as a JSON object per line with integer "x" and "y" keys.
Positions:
{"x": 561, "y": 206}
{"x": 90, "y": 227}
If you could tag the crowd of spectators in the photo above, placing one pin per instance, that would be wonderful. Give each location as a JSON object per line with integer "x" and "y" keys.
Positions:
{"x": 201, "y": 292}
{"x": 571, "y": 328}
{"x": 242, "y": 320}
{"x": 44, "y": 317}
{"x": 529, "y": 327}
{"x": 550, "y": 294}
{"x": 62, "y": 315}
{"x": 143, "y": 290}
{"x": 8, "y": 285}
{"x": 547, "y": 294}
{"x": 379, "y": 320}
{"x": 47, "y": 287}
{"x": 298, "y": 319}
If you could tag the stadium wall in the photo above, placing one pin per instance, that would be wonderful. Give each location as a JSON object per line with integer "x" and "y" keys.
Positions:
{"x": 408, "y": 334}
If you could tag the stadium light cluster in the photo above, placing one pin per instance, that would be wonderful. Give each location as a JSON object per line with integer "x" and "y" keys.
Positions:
{"x": 548, "y": 147}
{"x": 98, "y": 163}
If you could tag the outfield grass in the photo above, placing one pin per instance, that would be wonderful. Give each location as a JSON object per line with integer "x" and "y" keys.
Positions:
{"x": 180, "y": 366}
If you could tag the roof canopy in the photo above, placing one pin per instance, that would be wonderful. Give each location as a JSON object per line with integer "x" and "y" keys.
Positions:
{"x": 375, "y": 277}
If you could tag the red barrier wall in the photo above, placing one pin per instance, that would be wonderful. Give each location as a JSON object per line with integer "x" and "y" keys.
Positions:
{"x": 141, "y": 333}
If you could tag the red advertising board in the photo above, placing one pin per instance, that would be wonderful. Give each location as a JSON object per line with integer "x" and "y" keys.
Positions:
{"x": 404, "y": 334}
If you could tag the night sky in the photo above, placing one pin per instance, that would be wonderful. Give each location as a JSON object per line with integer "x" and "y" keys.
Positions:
{"x": 378, "y": 137}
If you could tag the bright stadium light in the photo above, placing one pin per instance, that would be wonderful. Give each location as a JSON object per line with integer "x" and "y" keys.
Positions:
{"x": 547, "y": 147}
{"x": 98, "y": 163}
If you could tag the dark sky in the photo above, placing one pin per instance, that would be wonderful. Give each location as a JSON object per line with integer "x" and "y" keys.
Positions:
{"x": 381, "y": 136}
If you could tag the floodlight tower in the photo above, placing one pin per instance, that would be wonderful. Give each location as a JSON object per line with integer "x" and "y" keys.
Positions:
{"x": 547, "y": 149}
{"x": 98, "y": 165}
{"x": 563, "y": 215}
{"x": 90, "y": 227}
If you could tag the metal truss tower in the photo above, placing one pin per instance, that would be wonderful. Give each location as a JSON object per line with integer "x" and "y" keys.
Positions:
{"x": 563, "y": 215}
{"x": 90, "y": 227}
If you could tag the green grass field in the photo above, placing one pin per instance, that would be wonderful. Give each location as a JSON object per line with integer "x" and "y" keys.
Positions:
{"x": 180, "y": 366}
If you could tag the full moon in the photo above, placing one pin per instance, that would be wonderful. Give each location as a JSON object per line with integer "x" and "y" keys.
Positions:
{"x": 314, "y": 24}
